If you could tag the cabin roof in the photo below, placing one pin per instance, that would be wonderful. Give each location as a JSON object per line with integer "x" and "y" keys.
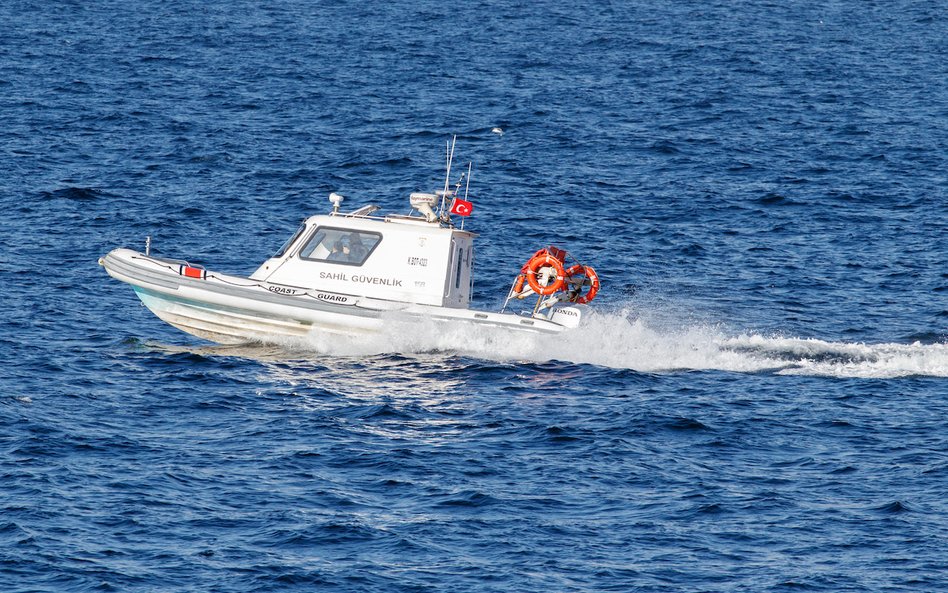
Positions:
{"x": 379, "y": 223}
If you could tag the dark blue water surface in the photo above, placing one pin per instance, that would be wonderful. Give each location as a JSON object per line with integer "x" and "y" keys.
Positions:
{"x": 757, "y": 401}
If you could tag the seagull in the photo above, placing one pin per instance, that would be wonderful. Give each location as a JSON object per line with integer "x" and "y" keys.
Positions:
{"x": 497, "y": 131}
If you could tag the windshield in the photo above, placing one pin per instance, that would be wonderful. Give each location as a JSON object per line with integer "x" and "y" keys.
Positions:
{"x": 341, "y": 246}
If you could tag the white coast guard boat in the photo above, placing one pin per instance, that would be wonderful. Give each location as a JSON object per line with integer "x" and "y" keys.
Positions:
{"x": 345, "y": 273}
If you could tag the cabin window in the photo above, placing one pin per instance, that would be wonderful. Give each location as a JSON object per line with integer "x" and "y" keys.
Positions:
{"x": 340, "y": 246}
{"x": 290, "y": 241}
{"x": 457, "y": 278}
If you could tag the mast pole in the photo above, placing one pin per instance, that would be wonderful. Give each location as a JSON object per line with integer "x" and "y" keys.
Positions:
{"x": 467, "y": 187}
{"x": 447, "y": 174}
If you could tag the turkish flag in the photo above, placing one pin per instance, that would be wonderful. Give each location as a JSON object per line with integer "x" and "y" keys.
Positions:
{"x": 462, "y": 207}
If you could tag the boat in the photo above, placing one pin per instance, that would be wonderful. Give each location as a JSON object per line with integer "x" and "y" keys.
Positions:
{"x": 351, "y": 272}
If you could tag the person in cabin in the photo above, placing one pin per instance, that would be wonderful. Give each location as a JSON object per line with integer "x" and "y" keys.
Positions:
{"x": 357, "y": 250}
{"x": 340, "y": 251}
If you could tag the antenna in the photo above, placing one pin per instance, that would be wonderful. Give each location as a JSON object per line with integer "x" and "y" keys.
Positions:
{"x": 470, "y": 165}
{"x": 447, "y": 175}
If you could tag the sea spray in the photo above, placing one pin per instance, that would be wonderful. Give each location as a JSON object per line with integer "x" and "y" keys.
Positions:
{"x": 617, "y": 340}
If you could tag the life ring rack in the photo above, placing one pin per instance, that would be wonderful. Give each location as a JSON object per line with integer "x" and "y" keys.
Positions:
{"x": 572, "y": 280}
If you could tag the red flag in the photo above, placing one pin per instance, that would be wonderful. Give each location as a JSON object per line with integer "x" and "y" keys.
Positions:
{"x": 462, "y": 207}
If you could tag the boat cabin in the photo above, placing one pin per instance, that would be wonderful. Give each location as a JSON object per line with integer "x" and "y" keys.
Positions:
{"x": 409, "y": 259}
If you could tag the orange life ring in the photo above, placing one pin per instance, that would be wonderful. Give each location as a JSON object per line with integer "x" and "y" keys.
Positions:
{"x": 591, "y": 278}
{"x": 541, "y": 261}
{"x": 522, "y": 277}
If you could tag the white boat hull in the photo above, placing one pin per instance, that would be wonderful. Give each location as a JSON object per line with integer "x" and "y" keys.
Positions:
{"x": 233, "y": 309}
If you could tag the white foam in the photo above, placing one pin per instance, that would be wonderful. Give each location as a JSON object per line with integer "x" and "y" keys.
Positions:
{"x": 613, "y": 340}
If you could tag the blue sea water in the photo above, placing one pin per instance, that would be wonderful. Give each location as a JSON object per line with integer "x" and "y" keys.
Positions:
{"x": 757, "y": 401}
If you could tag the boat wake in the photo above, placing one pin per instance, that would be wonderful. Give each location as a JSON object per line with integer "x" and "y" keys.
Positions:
{"x": 617, "y": 341}
{"x": 614, "y": 340}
